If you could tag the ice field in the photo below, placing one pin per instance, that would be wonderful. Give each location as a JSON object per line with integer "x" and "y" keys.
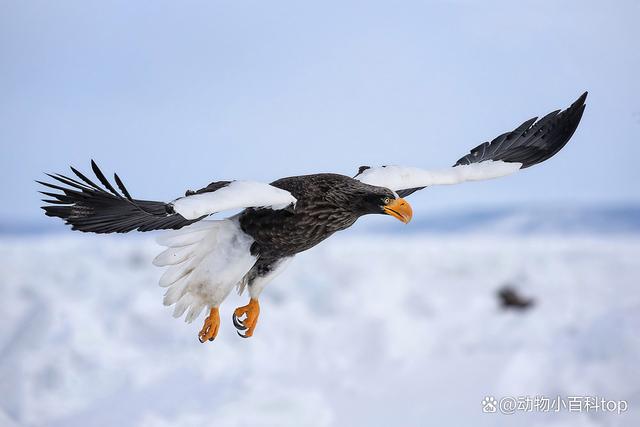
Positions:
{"x": 372, "y": 330}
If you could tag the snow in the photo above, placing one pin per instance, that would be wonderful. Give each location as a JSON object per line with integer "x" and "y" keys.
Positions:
{"x": 236, "y": 195}
{"x": 372, "y": 330}
{"x": 401, "y": 177}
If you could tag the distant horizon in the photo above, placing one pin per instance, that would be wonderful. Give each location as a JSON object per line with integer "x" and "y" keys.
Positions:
{"x": 47, "y": 225}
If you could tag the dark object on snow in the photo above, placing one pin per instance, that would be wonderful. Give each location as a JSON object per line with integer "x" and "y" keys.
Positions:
{"x": 511, "y": 299}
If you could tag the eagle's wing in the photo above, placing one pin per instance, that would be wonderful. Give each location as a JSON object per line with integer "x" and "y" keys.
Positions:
{"x": 532, "y": 142}
{"x": 88, "y": 207}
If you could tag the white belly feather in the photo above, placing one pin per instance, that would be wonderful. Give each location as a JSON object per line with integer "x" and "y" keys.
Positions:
{"x": 206, "y": 260}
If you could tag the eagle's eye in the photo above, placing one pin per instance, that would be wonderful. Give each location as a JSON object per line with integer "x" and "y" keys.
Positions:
{"x": 387, "y": 200}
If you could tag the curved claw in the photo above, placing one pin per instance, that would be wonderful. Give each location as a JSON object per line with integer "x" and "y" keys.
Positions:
{"x": 248, "y": 324}
{"x": 210, "y": 328}
{"x": 238, "y": 323}
{"x": 203, "y": 336}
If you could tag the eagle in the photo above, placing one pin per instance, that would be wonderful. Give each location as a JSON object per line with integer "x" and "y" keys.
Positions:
{"x": 207, "y": 258}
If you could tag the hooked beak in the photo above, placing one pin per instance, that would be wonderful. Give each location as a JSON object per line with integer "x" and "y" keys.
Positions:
{"x": 400, "y": 209}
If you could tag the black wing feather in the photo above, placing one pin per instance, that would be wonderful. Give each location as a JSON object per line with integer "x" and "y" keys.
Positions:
{"x": 85, "y": 179}
{"x": 122, "y": 187}
{"x": 102, "y": 178}
{"x": 533, "y": 142}
{"x": 88, "y": 207}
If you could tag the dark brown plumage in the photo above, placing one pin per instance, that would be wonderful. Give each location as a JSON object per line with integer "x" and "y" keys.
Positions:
{"x": 326, "y": 203}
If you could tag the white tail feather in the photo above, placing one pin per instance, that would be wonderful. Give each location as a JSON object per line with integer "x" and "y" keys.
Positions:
{"x": 173, "y": 256}
{"x": 182, "y": 305}
{"x": 205, "y": 260}
{"x": 186, "y": 236}
{"x": 194, "y": 312}
{"x": 175, "y": 292}
{"x": 176, "y": 272}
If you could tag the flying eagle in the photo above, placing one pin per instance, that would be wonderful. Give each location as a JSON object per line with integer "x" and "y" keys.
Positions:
{"x": 207, "y": 258}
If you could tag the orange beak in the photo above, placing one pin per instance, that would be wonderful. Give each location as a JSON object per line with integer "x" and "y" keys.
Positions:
{"x": 400, "y": 209}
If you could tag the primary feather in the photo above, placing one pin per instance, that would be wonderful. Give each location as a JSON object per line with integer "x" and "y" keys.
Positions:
{"x": 87, "y": 207}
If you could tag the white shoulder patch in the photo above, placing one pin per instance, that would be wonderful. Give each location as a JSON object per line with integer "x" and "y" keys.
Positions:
{"x": 402, "y": 177}
{"x": 236, "y": 195}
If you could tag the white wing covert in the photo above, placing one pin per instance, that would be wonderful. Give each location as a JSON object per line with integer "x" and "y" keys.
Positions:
{"x": 227, "y": 195}
{"x": 397, "y": 178}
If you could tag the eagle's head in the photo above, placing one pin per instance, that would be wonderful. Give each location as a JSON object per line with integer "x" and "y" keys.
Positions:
{"x": 379, "y": 200}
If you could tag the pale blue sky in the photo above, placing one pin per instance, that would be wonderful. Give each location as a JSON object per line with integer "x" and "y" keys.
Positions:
{"x": 173, "y": 95}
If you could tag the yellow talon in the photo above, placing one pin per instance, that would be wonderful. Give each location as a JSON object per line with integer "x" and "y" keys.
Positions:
{"x": 248, "y": 324}
{"x": 211, "y": 325}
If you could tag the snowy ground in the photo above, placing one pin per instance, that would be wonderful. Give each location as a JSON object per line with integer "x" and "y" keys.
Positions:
{"x": 363, "y": 330}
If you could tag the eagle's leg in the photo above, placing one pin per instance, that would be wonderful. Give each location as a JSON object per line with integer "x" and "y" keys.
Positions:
{"x": 211, "y": 325}
{"x": 251, "y": 312}
{"x": 260, "y": 274}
